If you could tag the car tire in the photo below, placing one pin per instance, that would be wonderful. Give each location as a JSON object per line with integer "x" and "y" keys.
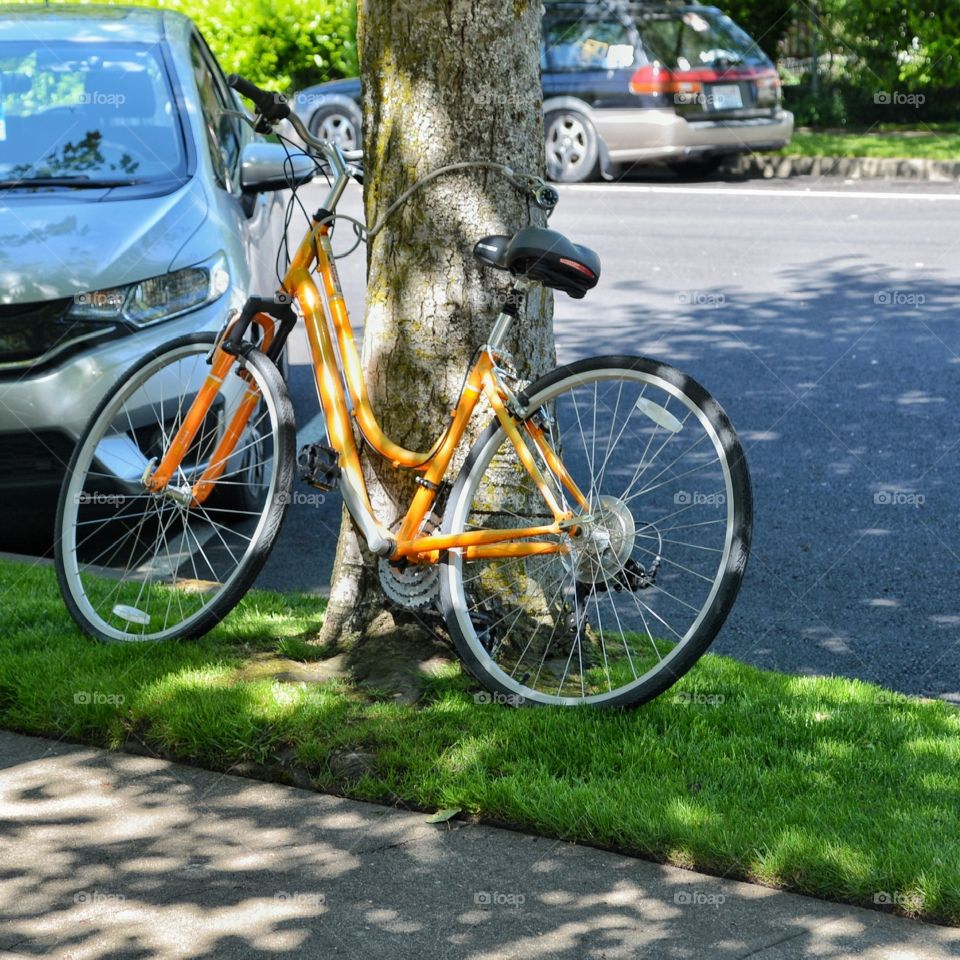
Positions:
{"x": 340, "y": 122}
{"x": 572, "y": 147}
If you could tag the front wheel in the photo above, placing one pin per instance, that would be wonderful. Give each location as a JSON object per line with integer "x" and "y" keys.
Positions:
{"x": 340, "y": 124}
{"x": 648, "y": 570}
{"x": 134, "y": 565}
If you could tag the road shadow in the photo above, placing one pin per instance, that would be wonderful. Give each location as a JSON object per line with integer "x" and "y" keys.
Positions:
{"x": 842, "y": 388}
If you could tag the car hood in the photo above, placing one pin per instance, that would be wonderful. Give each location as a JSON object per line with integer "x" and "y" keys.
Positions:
{"x": 57, "y": 243}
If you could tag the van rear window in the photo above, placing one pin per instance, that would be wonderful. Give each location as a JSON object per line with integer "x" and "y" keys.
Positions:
{"x": 691, "y": 39}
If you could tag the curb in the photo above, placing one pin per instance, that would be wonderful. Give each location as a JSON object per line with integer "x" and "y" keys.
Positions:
{"x": 853, "y": 168}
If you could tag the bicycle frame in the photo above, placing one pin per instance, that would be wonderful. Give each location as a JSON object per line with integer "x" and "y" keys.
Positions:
{"x": 338, "y": 374}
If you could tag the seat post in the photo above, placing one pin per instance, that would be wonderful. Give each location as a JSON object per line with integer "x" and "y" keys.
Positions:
{"x": 509, "y": 312}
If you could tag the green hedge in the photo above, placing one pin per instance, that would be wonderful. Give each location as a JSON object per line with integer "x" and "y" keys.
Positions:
{"x": 280, "y": 45}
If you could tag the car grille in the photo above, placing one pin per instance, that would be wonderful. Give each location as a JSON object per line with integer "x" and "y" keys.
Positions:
{"x": 34, "y": 459}
{"x": 32, "y": 334}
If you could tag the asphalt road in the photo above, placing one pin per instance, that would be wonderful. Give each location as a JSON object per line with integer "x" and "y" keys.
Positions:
{"x": 825, "y": 317}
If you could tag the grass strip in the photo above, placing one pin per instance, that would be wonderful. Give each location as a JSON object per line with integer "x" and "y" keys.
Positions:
{"x": 933, "y": 142}
{"x": 826, "y": 786}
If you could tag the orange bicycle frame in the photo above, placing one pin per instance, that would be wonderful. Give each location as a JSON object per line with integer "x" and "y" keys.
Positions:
{"x": 329, "y": 333}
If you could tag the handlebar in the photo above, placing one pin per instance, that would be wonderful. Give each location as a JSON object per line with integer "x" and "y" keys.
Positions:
{"x": 274, "y": 107}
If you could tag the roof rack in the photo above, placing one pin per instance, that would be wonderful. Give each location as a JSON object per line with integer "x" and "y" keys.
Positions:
{"x": 613, "y": 6}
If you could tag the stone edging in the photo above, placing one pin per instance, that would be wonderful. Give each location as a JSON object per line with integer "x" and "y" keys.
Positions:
{"x": 854, "y": 168}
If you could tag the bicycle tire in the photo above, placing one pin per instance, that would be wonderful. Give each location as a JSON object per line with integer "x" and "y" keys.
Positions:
{"x": 469, "y": 609}
{"x": 79, "y": 587}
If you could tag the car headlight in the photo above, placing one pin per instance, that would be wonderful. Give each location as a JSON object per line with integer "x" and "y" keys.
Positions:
{"x": 159, "y": 298}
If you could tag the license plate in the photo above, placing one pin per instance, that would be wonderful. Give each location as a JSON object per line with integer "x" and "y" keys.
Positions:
{"x": 725, "y": 97}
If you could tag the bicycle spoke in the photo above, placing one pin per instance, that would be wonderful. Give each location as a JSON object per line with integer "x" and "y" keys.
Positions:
{"x": 599, "y": 620}
{"x": 141, "y": 565}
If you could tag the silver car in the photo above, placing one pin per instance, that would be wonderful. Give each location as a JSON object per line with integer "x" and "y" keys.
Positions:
{"x": 134, "y": 208}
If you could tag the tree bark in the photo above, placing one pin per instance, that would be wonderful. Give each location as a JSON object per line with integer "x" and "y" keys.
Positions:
{"x": 444, "y": 81}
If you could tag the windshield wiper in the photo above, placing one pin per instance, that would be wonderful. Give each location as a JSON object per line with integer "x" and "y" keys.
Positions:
{"x": 77, "y": 182}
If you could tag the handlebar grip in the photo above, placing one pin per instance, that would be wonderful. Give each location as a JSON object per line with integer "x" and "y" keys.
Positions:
{"x": 271, "y": 106}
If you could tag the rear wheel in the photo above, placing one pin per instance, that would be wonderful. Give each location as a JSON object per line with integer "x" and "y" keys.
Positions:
{"x": 648, "y": 575}
{"x": 134, "y": 565}
{"x": 572, "y": 147}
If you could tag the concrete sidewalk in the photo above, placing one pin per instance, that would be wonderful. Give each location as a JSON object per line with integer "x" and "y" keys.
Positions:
{"x": 110, "y": 855}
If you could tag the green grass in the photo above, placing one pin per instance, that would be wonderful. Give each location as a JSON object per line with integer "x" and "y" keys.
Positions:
{"x": 930, "y": 142}
{"x": 827, "y": 786}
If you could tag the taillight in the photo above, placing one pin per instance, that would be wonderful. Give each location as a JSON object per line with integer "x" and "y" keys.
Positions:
{"x": 686, "y": 86}
{"x": 768, "y": 89}
{"x": 656, "y": 80}
{"x": 649, "y": 79}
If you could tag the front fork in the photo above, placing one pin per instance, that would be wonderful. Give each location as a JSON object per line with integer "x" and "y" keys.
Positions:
{"x": 228, "y": 348}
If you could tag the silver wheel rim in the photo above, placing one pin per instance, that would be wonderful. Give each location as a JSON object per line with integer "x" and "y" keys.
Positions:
{"x": 453, "y": 570}
{"x": 339, "y": 129}
{"x": 78, "y": 572}
{"x": 567, "y": 146}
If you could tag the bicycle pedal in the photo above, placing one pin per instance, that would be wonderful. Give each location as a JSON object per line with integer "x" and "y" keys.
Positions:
{"x": 317, "y": 465}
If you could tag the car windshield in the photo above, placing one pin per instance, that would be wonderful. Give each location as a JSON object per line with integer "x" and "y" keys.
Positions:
{"x": 691, "y": 39}
{"x": 86, "y": 113}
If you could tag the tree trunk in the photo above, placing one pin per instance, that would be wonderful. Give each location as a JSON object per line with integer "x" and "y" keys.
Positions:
{"x": 443, "y": 82}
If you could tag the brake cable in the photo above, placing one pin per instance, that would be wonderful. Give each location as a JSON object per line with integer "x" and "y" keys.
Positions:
{"x": 543, "y": 196}
{"x": 541, "y": 193}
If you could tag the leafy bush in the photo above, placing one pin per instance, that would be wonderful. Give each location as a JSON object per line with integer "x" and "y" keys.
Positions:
{"x": 828, "y": 107}
{"x": 853, "y": 100}
{"x": 279, "y": 44}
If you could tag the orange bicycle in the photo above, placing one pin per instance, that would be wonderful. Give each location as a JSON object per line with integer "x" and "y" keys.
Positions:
{"x": 588, "y": 551}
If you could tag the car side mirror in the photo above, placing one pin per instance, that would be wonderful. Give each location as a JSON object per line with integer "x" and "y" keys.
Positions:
{"x": 266, "y": 166}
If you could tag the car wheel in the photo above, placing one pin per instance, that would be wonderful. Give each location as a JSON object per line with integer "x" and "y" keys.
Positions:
{"x": 572, "y": 147}
{"x": 339, "y": 123}
{"x": 704, "y": 167}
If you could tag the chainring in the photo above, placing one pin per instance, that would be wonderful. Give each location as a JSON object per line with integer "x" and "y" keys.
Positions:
{"x": 413, "y": 586}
